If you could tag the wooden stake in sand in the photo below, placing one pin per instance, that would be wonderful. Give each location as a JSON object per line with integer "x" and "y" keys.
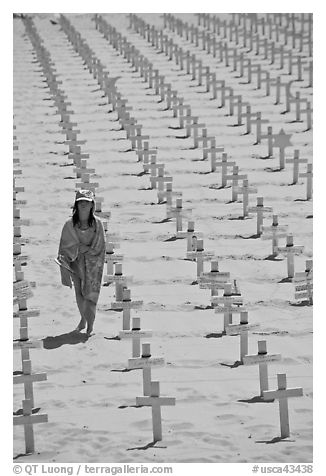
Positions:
{"x": 135, "y": 334}
{"x": 155, "y": 401}
{"x": 289, "y": 251}
{"x": 28, "y": 420}
{"x": 274, "y": 232}
{"x": 259, "y": 209}
{"x": 282, "y": 394}
{"x": 242, "y": 330}
{"x": 146, "y": 362}
{"x": 308, "y": 176}
{"x": 262, "y": 358}
{"x": 230, "y": 304}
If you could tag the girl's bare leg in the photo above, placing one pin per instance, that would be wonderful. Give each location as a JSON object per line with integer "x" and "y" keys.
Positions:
{"x": 81, "y": 304}
{"x": 89, "y": 313}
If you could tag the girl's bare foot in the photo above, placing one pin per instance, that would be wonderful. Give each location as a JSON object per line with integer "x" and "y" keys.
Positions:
{"x": 80, "y": 326}
{"x": 90, "y": 332}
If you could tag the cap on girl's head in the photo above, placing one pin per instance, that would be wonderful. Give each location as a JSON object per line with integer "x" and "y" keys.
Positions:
{"x": 85, "y": 195}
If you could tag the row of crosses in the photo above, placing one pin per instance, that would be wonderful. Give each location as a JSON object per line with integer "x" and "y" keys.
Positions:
{"x": 226, "y": 303}
{"x": 29, "y": 414}
{"x": 131, "y": 328}
{"x": 280, "y": 140}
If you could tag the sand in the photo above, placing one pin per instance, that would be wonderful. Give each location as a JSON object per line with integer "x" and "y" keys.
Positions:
{"x": 89, "y": 399}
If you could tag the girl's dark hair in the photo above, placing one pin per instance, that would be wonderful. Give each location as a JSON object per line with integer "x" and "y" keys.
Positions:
{"x": 75, "y": 215}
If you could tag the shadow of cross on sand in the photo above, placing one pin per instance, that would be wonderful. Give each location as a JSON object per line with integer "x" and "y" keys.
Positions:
{"x": 70, "y": 338}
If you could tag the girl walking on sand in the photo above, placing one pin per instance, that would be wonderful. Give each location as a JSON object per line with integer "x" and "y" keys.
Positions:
{"x": 81, "y": 257}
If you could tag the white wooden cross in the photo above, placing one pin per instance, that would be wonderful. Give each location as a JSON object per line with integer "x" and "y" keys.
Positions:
{"x": 213, "y": 150}
{"x": 259, "y": 209}
{"x": 234, "y": 178}
{"x": 303, "y": 282}
{"x": 18, "y": 258}
{"x": 235, "y": 100}
{"x": 297, "y": 100}
{"x": 240, "y": 104}
{"x": 205, "y": 138}
{"x": 259, "y": 121}
{"x": 168, "y": 194}
{"x": 282, "y": 393}
{"x": 241, "y": 329}
{"x": 278, "y": 85}
{"x": 21, "y": 291}
{"x": 17, "y": 188}
{"x": 201, "y": 255}
{"x": 227, "y": 304}
{"x": 282, "y": 140}
{"x": 125, "y": 305}
{"x": 146, "y": 362}
{"x": 308, "y": 112}
{"x": 274, "y": 232}
{"x": 171, "y": 98}
{"x": 73, "y": 142}
{"x": 183, "y": 116}
{"x": 262, "y": 358}
{"x": 28, "y": 420}
{"x": 250, "y": 117}
{"x": 179, "y": 213}
{"x": 129, "y": 124}
{"x": 224, "y": 163}
{"x": 195, "y": 128}
{"x": 153, "y": 167}
{"x": 135, "y": 334}
{"x": 296, "y": 161}
{"x": 66, "y": 124}
{"x": 290, "y": 250}
{"x": 218, "y": 85}
{"x": 27, "y": 378}
{"x": 136, "y": 139}
{"x": 245, "y": 190}
{"x": 179, "y": 108}
{"x": 155, "y": 401}
{"x": 145, "y": 152}
{"x": 119, "y": 279}
{"x": 308, "y": 175}
{"x": 214, "y": 279}
{"x": 86, "y": 184}
{"x": 267, "y": 80}
{"x": 191, "y": 235}
{"x": 190, "y": 120}
{"x": 157, "y": 181}
{"x": 83, "y": 169}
